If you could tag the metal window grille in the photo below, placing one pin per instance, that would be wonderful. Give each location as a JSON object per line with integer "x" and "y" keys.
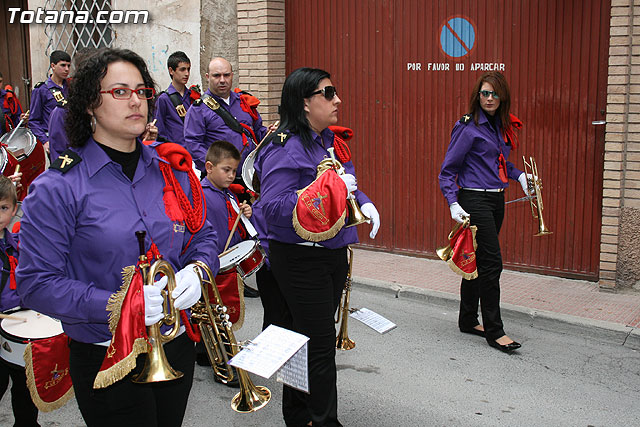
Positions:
{"x": 69, "y": 36}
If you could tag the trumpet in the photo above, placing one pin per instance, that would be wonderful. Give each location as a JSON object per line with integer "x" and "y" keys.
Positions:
{"x": 535, "y": 185}
{"x": 356, "y": 217}
{"x": 343, "y": 342}
{"x": 156, "y": 366}
{"x": 445, "y": 252}
{"x": 221, "y": 345}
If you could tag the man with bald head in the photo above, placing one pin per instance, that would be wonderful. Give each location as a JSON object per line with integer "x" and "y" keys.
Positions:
{"x": 222, "y": 114}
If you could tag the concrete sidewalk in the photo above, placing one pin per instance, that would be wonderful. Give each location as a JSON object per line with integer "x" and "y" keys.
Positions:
{"x": 548, "y": 302}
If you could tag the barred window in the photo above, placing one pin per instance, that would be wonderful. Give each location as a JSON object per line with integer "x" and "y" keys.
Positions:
{"x": 70, "y": 36}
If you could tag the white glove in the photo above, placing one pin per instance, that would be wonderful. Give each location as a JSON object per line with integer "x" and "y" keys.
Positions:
{"x": 370, "y": 210}
{"x": 188, "y": 290}
{"x": 153, "y": 302}
{"x": 457, "y": 213}
{"x": 523, "y": 178}
{"x": 350, "y": 182}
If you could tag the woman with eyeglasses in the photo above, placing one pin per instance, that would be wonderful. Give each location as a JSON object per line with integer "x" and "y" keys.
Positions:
{"x": 310, "y": 274}
{"x": 473, "y": 177}
{"x": 78, "y": 233}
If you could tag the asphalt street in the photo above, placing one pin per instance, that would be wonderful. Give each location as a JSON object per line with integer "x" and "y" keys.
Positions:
{"x": 426, "y": 373}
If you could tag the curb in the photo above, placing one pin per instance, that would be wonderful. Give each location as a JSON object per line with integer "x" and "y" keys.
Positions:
{"x": 609, "y": 332}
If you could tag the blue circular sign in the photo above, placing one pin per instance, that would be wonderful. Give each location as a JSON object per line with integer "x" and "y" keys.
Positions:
{"x": 457, "y": 37}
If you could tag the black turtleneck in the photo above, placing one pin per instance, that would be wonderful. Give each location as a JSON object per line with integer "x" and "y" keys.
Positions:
{"x": 492, "y": 120}
{"x": 128, "y": 161}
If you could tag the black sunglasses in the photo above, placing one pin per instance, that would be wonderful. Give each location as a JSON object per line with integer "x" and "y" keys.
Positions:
{"x": 486, "y": 93}
{"x": 328, "y": 92}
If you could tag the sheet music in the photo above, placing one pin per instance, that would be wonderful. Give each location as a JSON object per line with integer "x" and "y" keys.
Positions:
{"x": 373, "y": 320}
{"x": 295, "y": 372}
{"x": 269, "y": 351}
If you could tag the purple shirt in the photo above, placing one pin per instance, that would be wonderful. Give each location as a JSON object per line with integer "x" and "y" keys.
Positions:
{"x": 9, "y": 298}
{"x": 58, "y": 141}
{"x": 78, "y": 232}
{"x": 283, "y": 170}
{"x": 218, "y": 214}
{"x": 472, "y": 158}
{"x": 9, "y": 120}
{"x": 170, "y": 125}
{"x": 42, "y": 104}
{"x": 202, "y": 126}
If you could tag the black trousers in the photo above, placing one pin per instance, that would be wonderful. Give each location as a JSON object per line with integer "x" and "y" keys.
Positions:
{"x": 273, "y": 303}
{"x": 127, "y": 403}
{"x": 487, "y": 212}
{"x": 311, "y": 280}
{"x": 25, "y": 412}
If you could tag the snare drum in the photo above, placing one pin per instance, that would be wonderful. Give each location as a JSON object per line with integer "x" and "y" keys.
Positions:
{"x": 16, "y": 334}
{"x": 25, "y": 150}
{"x": 246, "y": 257}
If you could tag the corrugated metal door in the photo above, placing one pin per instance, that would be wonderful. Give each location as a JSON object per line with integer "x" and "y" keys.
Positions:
{"x": 404, "y": 70}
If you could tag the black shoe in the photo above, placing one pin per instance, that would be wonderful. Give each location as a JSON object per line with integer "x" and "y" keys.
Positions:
{"x": 249, "y": 292}
{"x": 234, "y": 383}
{"x": 507, "y": 348}
{"x": 472, "y": 331}
{"x": 202, "y": 359}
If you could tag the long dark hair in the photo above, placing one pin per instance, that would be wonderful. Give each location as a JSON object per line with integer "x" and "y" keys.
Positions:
{"x": 84, "y": 90}
{"x": 298, "y": 86}
{"x": 501, "y": 87}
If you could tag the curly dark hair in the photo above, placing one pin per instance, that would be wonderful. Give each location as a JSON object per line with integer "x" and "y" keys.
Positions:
{"x": 84, "y": 90}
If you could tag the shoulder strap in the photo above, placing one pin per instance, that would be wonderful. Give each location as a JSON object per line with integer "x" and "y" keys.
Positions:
{"x": 58, "y": 96}
{"x": 37, "y": 85}
{"x": 224, "y": 114}
{"x": 466, "y": 119}
{"x": 66, "y": 161}
{"x": 176, "y": 100}
{"x": 279, "y": 138}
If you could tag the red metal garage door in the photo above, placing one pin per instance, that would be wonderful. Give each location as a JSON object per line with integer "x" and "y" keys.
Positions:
{"x": 404, "y": 70}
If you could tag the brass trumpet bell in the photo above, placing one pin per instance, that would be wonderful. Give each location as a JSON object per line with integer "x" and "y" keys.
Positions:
{"x": 356, "y": 217}
{"x": 156, "y": 366}
{"x": 251, "y": 397}
{"x": 444, "y": 253}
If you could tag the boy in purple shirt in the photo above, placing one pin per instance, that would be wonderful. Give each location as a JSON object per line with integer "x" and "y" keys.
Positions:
{"x": 46, "y": 95}
{"x": 172, "y": 104}
{"x": 24, "y": 411}
{"x": 222, "y": 205}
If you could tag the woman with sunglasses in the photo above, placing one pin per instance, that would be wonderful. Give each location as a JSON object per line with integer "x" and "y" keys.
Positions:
{"x": 78, "y": 233}
{"x": 473, "y": 177}
{"x": 310, "y": 275}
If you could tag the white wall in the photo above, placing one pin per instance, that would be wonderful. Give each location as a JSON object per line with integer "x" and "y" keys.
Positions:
{"x": 172, "y": 26}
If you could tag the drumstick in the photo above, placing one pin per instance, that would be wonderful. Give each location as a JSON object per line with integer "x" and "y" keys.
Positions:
{"x": 153, "y": 123}
{"x": 233, "y": 229}
{"x": 15, "y": 183}
{"x": 12, "y": 317}
{"x": 16, "y": 128}
{"x": 269, "y": 132}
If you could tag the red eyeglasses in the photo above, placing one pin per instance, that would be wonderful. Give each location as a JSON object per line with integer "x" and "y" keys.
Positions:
{"x": 125, "y": 92}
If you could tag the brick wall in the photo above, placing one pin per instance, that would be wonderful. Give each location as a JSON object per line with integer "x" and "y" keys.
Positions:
{"x": 620, "y": 246}
{"x": 261, "y": 55}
